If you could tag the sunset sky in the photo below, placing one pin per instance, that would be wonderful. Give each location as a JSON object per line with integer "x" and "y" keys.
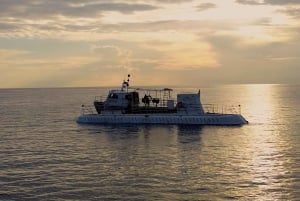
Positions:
{"x": 63, "y": 43}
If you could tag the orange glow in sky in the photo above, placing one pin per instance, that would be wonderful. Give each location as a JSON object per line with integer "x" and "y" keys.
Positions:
{"x": 97, "y": 42}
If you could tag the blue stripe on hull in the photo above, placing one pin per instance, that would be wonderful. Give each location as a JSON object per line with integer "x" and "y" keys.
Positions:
{"x": 213, "y": 119}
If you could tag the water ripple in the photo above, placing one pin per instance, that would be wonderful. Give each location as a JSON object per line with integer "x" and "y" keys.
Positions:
{"x": 45, "y": 155}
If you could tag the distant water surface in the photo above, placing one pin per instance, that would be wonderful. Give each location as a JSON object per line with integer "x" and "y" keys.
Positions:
{"x": 46, "y": 155}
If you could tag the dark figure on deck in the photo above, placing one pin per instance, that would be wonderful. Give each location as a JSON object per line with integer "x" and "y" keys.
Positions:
{"x": 146, "y": 100}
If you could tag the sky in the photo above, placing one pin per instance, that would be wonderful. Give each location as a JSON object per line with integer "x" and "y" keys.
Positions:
{"x": 81, "y": 43}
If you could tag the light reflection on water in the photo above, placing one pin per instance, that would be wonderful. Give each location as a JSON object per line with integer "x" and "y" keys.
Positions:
{"x": 261, "y": 104}
{"x": 271, "y": 167}
{"x": 45, "y": 155}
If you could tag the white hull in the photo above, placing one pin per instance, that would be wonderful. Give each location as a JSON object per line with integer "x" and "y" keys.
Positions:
{"x": 206, "y": 119}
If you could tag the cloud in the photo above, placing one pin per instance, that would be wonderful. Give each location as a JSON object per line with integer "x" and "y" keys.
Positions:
{"x": 205, "y": 6}
{"x": 266, "y": 21}
{"x": 250, "y": 2}
{"x": 112, "y": 56}
{"x": 31, "y": 9}
{"x": 97, "y": 29}
{"x": 282, "y": 2}
{"x": 267, "y": 63}
{"x": 291, "y": 11}
{"x": 106, "y": 49}
{"x": 270, "y": 2}
{"x": 9, "y": 53}
{"x": 165, "y": 25}
{"x": 7, "y": 27}
{"x": 164, "y": 1}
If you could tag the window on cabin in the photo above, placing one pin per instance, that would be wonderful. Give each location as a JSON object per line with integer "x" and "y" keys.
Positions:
{"x": 114, "y": 96}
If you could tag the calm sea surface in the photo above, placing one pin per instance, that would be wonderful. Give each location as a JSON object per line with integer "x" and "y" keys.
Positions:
{"x": 46, "y": 155}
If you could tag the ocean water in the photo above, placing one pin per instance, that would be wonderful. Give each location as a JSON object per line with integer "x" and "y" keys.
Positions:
{"x": 46, "y": 155}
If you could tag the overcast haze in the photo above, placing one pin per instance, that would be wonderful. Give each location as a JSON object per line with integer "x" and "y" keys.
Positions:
{"x": 61, "y": 43}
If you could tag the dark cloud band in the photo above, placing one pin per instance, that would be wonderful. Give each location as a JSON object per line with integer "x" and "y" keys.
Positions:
{"x": 270, "y": 2}
{"x": 76, "y": 8}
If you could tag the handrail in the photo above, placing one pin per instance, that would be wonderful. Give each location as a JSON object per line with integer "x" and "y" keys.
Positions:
{"x": 100, "y": 98}
{"x": 222, "y": 109}
{"x": 208, "y": 108}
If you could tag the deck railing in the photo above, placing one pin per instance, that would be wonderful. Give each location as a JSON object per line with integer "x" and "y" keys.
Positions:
{"x": 208, "y": 108}
{"x": 100, "y": 98}
{"x": 222, "y": 109}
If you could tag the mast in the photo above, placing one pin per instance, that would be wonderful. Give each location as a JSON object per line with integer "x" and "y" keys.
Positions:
{"x": 125, "y": 84}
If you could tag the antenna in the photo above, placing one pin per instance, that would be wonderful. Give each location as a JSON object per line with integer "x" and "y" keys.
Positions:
{"x": 128, "y": 76}
{"x": 126, "y": 83}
